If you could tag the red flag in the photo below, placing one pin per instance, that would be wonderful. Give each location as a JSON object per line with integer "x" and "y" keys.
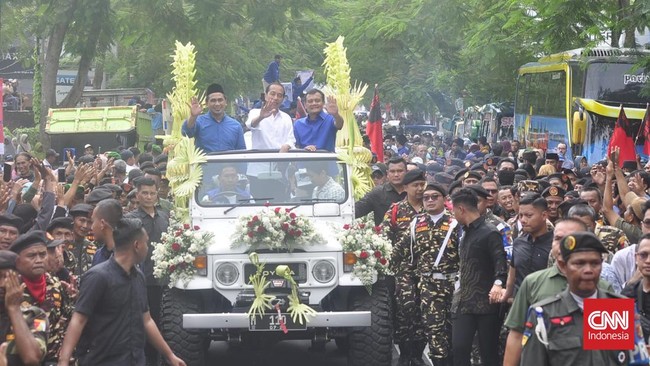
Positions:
{"x": 622, "y": 140}
{"x": 300, "y": 109}
{"x": 374, "y": 128}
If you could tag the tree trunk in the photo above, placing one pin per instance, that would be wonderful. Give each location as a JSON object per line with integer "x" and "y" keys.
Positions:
{"x": 53, "y": 47}
{"x": 99, "y": 71}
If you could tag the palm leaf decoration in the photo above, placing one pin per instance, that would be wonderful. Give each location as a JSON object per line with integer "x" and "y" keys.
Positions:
{"x": 348, "y": 140}
{"x": 185, "y": 173}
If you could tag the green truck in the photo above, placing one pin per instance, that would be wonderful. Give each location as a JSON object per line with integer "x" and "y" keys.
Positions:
{"x": 105, "y": 128}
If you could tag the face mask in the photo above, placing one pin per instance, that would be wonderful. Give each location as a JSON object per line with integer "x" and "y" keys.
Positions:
{"x": 506, "y": 177}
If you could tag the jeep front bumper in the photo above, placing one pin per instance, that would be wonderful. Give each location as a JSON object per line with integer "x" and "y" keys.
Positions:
{"x": 241, "y": 320}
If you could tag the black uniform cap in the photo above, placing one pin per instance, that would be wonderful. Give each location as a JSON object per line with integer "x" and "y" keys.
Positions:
{"x": 64, "y": 222}
{"x": 7, "y": 259}
{"x": 552, "y": 156}
{"x": 30, "y": 239}
{"x": 11, "y": 220}
{"x": 580, "y": 242}
{"x": 554, "y": 192}
{"x": 480, "y": 191}
{"x": 97, "y": 195}
{"x": 81, "y": 209}
{"x": 436, "y": 187}
{"x": 413, "y": 176}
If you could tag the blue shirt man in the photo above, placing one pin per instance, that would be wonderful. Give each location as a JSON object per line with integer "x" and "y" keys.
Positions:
{"x": 272, "y": 73}
{"x": 214, "y": 131}
{"x": 318, "y": 130}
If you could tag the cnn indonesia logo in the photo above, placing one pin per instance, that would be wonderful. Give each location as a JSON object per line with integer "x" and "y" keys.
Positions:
{"x": 608, "y": 324}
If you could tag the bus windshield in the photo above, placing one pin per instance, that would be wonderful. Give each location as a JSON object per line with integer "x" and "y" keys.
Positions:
{"x": 616, "y": 83}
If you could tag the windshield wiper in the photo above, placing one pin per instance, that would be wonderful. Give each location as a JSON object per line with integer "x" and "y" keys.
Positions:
{"x": 244, "y": 200}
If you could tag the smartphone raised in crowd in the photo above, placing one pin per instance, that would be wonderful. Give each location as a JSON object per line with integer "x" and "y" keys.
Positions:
{"x": 7, "y": 172}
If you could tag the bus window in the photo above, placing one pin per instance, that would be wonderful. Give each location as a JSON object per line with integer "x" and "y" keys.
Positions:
{"x": 616, "y": 83}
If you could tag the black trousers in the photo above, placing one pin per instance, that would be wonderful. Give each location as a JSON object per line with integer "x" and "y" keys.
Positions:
{"x": 463, "y": 329}
{"x": 154, "y": 295}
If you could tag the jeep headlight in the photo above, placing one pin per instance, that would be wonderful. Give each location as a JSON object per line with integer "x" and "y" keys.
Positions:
{"x": 226, "y": 273}
{"x": 323, "y": 271}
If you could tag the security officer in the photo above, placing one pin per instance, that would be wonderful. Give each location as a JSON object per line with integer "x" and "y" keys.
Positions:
{"x": 409, "y": 335}
{"x": 554, "y": 330}
{"x": 42, "y": 289}
{"x": 554, "y": 196}
{"x": 434, "y": 238}
{"x": 80, "y": 252}
{"x": 25, "y": 329}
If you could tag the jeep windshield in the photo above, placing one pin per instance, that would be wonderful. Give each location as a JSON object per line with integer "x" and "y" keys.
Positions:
{"x": 277, "y": 181}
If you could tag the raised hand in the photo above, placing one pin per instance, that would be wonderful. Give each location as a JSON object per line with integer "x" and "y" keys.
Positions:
{"x": 331, "y": 106}
{"x": 195, "y": 107}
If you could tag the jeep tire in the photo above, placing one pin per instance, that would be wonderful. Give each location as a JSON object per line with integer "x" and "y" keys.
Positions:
{"x": 191, "y": 345}
{"x": 373, "y": 345}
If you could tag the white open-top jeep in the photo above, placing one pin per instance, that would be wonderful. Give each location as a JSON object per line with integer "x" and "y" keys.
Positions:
{"x": 213, "y": 305}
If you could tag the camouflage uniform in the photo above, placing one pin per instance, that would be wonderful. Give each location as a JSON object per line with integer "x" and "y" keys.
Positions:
{"x": 36, "y": 320}
{"x": 396, "y": 224}
{"x": 436, "y": 284}
{"x": 79, "y": 258}
{"x": 58, "y": 308}
{"x": 613, "y": 238}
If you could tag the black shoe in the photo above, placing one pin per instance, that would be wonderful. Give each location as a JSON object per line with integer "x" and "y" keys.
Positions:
{"x": 441, "y": 361}
{"x": 417, "y": 348}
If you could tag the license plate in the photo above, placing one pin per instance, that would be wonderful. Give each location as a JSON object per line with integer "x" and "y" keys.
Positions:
{"x": 299, "y": 269}
{"x": 271, "y": 322}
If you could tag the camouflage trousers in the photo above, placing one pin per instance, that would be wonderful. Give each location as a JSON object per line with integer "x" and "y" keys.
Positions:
{"x": 435, "y": 307}
{"x": 408, "y": 326}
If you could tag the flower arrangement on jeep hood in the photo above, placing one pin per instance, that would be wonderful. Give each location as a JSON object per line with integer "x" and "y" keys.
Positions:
{"x": 180, "y": 245}
{"x": 276, "y": 229}
{"x": 370, "y": 247}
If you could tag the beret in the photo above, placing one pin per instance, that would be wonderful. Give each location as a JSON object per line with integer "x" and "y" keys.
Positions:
{"x": 436, "y": 187}
{"x": 443, "y": 178}
{"x": 434, "y": 168}
{"x": 7, "y": 259}
{"x": 32, "y": 238}
{"x": 477, "y": 167}
{"x": 412, "y": 176}
{"x": 98, "y": 194}
{"x": 54, "y": 243}
{"x": 480, "y": 191}
{"x": 471, "y": 174}
{"x": 528, "y": 186}
{"x": 64, "y": 222}
{"x": 81, "y": 209}
{"x": 581, "y": 242}
{"x": 11, "y": 220}
{"x": 553, "y": 191}
{"x": 492, "y": 161}
{"x": 552, "y": 156}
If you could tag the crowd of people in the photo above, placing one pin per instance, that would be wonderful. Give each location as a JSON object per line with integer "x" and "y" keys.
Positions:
{"x": 76, "y": 276}
{"x": 484, "y": 232}
{"x": 481, "y": 233}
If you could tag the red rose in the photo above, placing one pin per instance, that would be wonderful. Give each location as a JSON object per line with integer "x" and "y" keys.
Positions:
{"x": 267, "y": 204}
{"x": 183, "y": 265}
{"x": 250, "y": 223}
{"x": 292, "y": 215}
{"x": 377, "y": 254}
{"x": 172, "y": 268}
{"x": 255, "y": 219}
{"x": 250, "y": 234}
{"x": 186, "y": 226}
{"x": 277, "y": 210}
{"x": 176, "y": 247}
{"x": 346, "y": 227}
{"x": 298, "y": 232}
{"x": 362, "y": 226}
{"x": 196, "y": 227}
{"x": 378, "y": 229}
{"x": 293, "y": 222}
{"x": 179, "y": 233}
{"x": 383, "y": 261}
{"x": 291, "y": 232}
{"x": 260, "y": 229}
{"x": 363, "y": 254}
{"x": 285, "y": 226}
{"x": 287, "y": 210}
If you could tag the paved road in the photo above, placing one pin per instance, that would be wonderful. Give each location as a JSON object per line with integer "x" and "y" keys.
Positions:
{"x": 287, "y": 353}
